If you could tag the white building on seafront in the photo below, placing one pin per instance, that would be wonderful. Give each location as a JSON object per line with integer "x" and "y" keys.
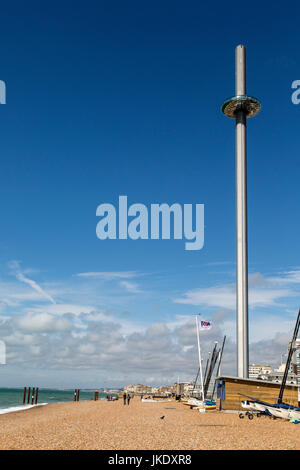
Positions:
{"x": 266, "y": 372}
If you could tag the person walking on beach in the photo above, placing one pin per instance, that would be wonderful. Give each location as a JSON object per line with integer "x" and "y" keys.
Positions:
{"x": 124, "y": 398}
{"x": 128, "y": 399}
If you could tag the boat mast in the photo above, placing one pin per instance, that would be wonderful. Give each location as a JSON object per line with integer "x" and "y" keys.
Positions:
{"x": 212, "y": 364}
{"x": 199, "y": 356}
{"x": 289, "y": 358}
{"x": 219, "y": 366}
{"x": 206, "y": 368}
{"x": 196, "y": 380}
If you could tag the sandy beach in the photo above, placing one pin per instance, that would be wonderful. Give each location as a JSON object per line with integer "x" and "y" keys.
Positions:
{"x": 113, "y": 426}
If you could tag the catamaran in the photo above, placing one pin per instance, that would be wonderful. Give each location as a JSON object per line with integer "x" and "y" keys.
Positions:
{"x": 202, "y": 403}
{"x": 197, "y": 404}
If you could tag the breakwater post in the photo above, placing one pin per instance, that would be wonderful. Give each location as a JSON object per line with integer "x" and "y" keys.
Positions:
{"x": 76, "y": 394}
{"x": 28, "y": 395}
{"x": 31, "y": 396}
{"x": 96, "y": 396}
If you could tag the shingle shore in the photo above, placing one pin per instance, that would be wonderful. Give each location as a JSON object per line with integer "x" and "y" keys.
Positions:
{"x": 113, "y": 426}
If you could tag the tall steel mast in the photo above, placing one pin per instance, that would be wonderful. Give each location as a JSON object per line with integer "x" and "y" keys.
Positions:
{"x": 240, "y": 107}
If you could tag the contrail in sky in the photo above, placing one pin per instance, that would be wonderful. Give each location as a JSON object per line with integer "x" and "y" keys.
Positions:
{"x": 20, "y": 276}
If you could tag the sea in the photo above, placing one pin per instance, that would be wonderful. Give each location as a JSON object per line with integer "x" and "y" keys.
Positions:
{"x": 11, "y": 399}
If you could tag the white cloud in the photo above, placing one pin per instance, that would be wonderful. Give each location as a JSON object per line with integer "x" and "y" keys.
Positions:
{"x": 158, "y": 351}
{"x": 65, "y": 308}
{"x": 268, "y": 326}
{"x": 131, "y": 287}
{"x": 109, "y": 275}
{"x": 287, "y": 277}
{"x": 42, "y": 322}
{"x": 87, "y": 349}
{"x": 262, "y": 293}
{"x": 212, "y": 296}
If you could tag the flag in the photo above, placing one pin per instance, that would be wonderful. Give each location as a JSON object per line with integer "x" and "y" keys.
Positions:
{"x": 205, "y": 325}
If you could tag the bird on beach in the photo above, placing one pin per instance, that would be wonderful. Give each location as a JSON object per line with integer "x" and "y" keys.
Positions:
{"x": 162, "y": 417}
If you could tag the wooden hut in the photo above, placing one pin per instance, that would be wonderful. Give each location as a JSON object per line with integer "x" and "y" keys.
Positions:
{"x": 231, "y": 391}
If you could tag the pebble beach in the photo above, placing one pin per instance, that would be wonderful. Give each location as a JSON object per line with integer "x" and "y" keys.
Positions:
{"x": 103, "y": 425}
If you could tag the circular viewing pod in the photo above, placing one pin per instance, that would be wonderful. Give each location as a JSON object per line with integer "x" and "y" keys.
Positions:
{"x": 251, "y": 106}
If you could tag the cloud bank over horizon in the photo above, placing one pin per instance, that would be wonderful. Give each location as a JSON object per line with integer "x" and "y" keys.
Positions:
{"x": 85, "y": 331}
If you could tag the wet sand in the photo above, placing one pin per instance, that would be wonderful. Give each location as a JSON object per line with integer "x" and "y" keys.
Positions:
{"x": 113, "y": 426}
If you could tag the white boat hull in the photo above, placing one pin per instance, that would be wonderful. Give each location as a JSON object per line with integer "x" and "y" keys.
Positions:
{"x": 279, "y": 412}
{"x": 195, "y": 402}
{"x": 294, "y": 414}
{"x": 259, "y": 407}
{"x": 248, "y": 405}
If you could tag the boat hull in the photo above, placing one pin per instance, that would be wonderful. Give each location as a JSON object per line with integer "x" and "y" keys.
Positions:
{"x": 259, "y": 407}
{"x": 295, "y": 414}
{"x": 279, "y": 412}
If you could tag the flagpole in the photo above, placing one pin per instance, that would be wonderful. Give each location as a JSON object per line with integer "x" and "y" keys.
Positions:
{"x": 199, "y": 355}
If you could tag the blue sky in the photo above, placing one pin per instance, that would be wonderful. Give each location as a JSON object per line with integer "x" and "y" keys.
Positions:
{"x": 123, "y": 98}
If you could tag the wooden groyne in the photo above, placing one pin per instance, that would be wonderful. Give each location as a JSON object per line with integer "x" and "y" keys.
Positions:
{"x": 32, "y": 395}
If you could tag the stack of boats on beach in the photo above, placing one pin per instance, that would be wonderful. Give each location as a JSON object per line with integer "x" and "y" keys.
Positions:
{"x": 198, "y": 404}
{"x": 282, "y": 411}
{"x": 202, "y": 402}
{"x": 198, "y": 399}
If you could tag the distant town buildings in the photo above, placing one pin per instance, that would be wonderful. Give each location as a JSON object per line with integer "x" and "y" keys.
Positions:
{"x": 259, "y": 371}
{"x": 186, "y": 388}
{"x": 256, "y": 371}
{"x": 140, "y": 389}
{"x": 265, "y": 372}
{"x": 179, "y": 388}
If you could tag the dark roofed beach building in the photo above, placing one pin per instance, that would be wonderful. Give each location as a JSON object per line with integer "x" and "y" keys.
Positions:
{"x": 231, "y": 391}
